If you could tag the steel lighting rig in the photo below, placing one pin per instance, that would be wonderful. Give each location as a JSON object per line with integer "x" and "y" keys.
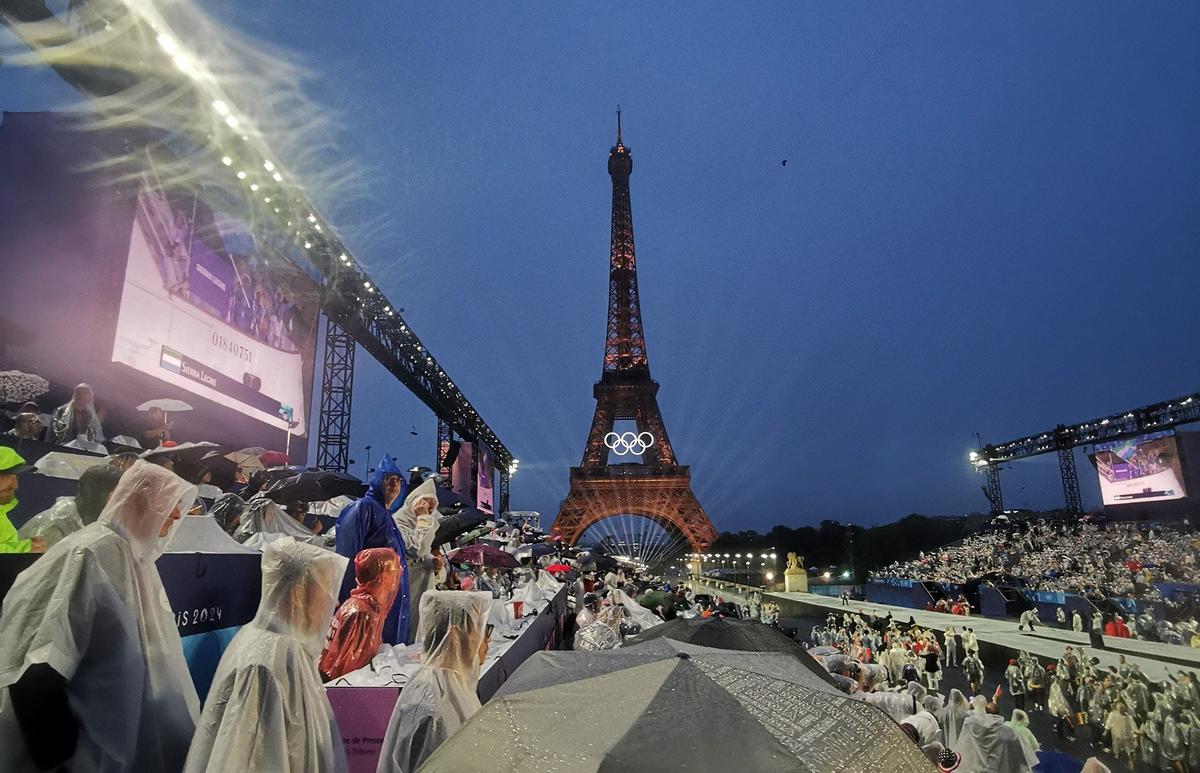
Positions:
{"x": 1066, "y": 437}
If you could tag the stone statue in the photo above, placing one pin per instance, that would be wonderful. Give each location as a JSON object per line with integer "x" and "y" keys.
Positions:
{"x": 794, "y": 562}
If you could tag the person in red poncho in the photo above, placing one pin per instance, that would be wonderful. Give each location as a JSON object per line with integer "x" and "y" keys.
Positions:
{"x": 357, "y": 629}
{"x": 1122, "y": 629}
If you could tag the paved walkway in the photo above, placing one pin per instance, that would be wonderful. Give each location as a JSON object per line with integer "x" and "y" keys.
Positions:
{"x": 1154, "y": 658}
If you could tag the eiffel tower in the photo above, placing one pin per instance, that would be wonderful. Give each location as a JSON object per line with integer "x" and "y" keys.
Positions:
{"x": 657, "y": 487}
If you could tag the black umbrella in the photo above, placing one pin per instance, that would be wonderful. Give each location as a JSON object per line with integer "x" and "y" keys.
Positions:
{"x": 730, "y": 634}
{"x": 452, "y": 526}
{"x": 262, "y": 479}
{"x": 316, "y": 486}
{"x": 641, "y": 709}
{"x": 450, "y": 502}
{"x": 221, "y": 468}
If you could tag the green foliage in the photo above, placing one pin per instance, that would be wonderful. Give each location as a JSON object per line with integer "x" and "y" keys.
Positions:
{"x": 830, "y": 544}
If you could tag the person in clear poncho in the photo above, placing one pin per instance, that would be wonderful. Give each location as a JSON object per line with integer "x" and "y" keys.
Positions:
{"x": 952, "y": 716}
{"x": 989, "y": 745}
{"x": 267, "y": 708}
{"x": 1123, "y": 731}
{"x": 263, "y": 520}
{"x": 441, "y": 696}
{"x": 1019, "y": 722}
{"x": 70, "y": 514}
{"x": 78, "y": 417}
{"x": 417, "y": 520}
{"x": 92, "y": 673}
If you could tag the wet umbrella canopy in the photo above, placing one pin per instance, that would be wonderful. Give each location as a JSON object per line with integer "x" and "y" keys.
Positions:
{"x": 726, "y": 634}
{"x": 485, "y": 555}
{"x": 612, "y": 710}
{"x": 452, "y": 526}
{"x": 315, "y": 486}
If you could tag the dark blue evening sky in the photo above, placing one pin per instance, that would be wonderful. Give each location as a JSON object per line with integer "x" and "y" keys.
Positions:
{"x": 987, "y": 223}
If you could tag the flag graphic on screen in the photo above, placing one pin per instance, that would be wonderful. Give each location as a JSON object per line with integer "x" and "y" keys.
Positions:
{"x": 171, "y": 360}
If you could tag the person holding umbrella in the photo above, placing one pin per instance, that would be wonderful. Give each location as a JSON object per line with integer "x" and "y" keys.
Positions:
{"x": 366, "y": 523}
{"x": 158, "y": 429}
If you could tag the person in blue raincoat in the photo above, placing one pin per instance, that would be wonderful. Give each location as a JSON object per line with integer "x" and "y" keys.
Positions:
{"x": 368, "y": 523}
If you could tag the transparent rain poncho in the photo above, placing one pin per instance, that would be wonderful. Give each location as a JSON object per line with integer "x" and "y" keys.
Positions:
{"x": 93, "y": 609}
{"x": 267, "y": 708}
{"x": 643, "y": 617}
{"x": 441, "y": 696}
{"x": 417, "y": 520}
{"x": 951, "y": 717}
{"x": 70, "y": 514}
{"x": 1123, "y": 731}
{"x": 1029, "y": 743}
{"x": 596, "y": 636}
{"x": 263, "y": 520}
{"x": 54, "y": 523}
{"x": 202, "y": 533}
{"x": 1057, "y": 704}
{"x": 989, "y": 745}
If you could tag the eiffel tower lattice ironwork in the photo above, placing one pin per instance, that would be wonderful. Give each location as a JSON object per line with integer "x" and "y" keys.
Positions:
{"x": 658, "y": 487}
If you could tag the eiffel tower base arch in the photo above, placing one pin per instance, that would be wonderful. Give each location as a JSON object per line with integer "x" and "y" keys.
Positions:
{"x": 606, "y": 492}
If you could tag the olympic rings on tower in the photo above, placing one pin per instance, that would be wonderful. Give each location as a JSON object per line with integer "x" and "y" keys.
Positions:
{"x": 628, "y": 443}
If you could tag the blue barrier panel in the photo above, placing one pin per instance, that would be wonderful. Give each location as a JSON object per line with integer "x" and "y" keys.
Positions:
{"x": 898, "y": 592}
{"x": 992, "y": 602}
{"x": 212, "y": 596}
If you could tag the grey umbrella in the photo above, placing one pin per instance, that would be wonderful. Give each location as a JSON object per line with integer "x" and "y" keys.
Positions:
{"x": 551, "y": 667}
{"x": 675, "y": 707}
{"x": 730, "y": 634}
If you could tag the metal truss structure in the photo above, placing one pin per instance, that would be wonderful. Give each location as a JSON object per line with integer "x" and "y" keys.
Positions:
{"x": 1064, "y": 438}
{"x": 337, "y": 393}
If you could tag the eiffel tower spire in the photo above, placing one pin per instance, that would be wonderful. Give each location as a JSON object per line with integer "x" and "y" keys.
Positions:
{"x": 625, "y": 343}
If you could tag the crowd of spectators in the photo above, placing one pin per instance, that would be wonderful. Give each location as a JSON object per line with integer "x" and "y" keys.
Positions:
{"x": 1097, "y": 561}
{"x": 1144, "y": 723}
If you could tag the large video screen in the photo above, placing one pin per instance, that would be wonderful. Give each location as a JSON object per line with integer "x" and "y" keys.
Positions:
{"x": 203, "y": 308}
{"x": 484, "y": 494}
{"x": 1146, "y": 468}
{"x": 149, "y": 288}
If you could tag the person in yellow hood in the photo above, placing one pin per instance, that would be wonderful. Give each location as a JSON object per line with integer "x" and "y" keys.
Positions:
{"x": 13, "y": 464}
